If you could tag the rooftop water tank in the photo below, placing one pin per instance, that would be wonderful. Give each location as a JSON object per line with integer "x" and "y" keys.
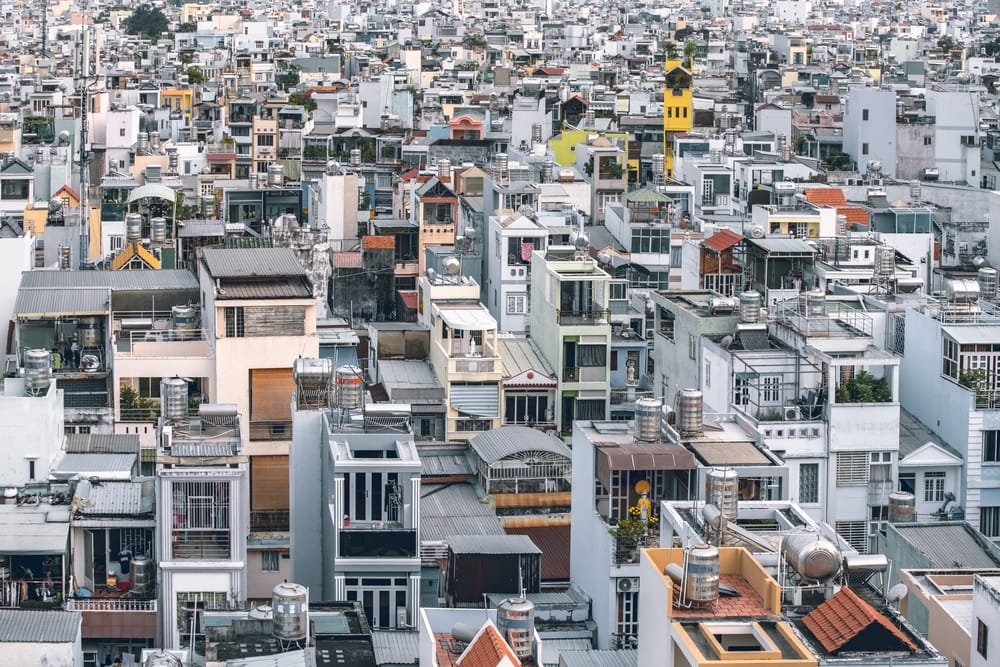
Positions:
{"x": 647, "y": 419}
{"x": 290, "y": 612}
{"x": 516, "y": 623}
{"x": 701, "y": 577}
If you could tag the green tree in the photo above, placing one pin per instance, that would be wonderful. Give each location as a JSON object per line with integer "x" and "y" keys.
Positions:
{"x": 690, "y": 50}
{"x": 146, "y": 21}
{"x": 185, "y": 58}
{"x": 195, "y": 75}
{"x": 302, "y": 99}
{"x": 670, "y": 50}
{"x": 188, "y": 26}
{"x": 289, "y": 76}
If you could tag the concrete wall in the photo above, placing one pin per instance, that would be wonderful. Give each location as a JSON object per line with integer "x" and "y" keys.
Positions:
{"x": 985, "y": 608}
{"x": 879, "y": 131}
{"x": 655, "y": 633}
{"x": 31, "y": 428}
{"x": 305, "y": 484}
{"x": 16, "y": 255}
{"x": 19, "y": 654}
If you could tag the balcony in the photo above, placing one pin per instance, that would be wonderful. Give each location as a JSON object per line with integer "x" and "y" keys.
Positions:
{"x": 220, "y": 152}
{"x": 200, "y": 545}
{"x": 41, "y": 594}
{"x": 575, "y": 317}
{"x": 472, "y": 365}
{"x": 269, "y": 521}
{"x": 470, "y": 425}
{"x": 376, "y": 540}
{"x": 160, "y": 344}
{"x": 112, "y": 605}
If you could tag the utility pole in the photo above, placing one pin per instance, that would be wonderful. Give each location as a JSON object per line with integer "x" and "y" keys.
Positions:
{"x": 84, "y": 79}
{"x": 45, "y": 28}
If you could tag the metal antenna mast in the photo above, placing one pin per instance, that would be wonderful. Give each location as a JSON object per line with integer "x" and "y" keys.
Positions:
{"x": 84, "y": 150}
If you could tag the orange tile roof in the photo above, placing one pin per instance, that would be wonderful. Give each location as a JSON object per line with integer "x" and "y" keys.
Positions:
{"x": 846, "y": 617}
{"x": 854, "y": 214}
{"x": 722, "y": 240}
{"x": 825, "y": 196}
{"x": 488, "y": 649}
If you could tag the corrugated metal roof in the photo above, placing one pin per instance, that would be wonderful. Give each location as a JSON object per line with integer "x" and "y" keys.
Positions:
{"x": 112, "y": 499}
{"x": 492, "y": 544}
{"x": 452, "y": 500}
{"x": 25, "y": 530}
{"x": 950, "y": 544}
{"x": 441, "y": 529}
{"x": 475, "y": 400}
{"x": 599, "y": 658}
{"x": 102, "y": 443}
{"x": 408, "y": 374}
{"x": 443, "y": 464}
{"x": 248, "y": 262}
{"x": 519, "y": 355}
{"x": 475, "y": 318}
{"x": 273, "y": 288}
{"x": 210, "y": 449}
{"x": 973, "y": 333}
{"x": 116, "y": 281}
{"x": 784, "y": 246}
{"x": 499, "y": 443}
{"x": 62, "y": 301}
{"x": 554, "y": 646}
{"x": 554, "y": 543}
{"x": 103, "y": 466}
{"x": 39, "y": 627}
{"x": 396, "y": 648}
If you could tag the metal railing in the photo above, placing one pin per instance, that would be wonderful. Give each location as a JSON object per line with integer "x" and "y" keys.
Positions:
{"x": 268, "y": 521}
{"x": 200, "y": 545}
{"x": 33, "y": 593}
{"x": 625, "y": 551}
{"x": 988, "y": 400}
{"x": 585, "y": 317}
{"x": 163, "y": 343}
{"x": 112, "y": 604}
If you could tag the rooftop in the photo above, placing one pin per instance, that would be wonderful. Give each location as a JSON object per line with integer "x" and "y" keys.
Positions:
{"x": 505, "y": 441}
{"x": 846, "y": 623}
{"x": 950, "y": 544}
{"x": 251, "y": 262}
{"x": 39, "y": 627}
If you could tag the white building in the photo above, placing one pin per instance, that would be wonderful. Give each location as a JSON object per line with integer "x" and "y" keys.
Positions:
{"x": 511, "y": 238}
{"x": 986, "y": 621}
{"x": 870, "y": 127}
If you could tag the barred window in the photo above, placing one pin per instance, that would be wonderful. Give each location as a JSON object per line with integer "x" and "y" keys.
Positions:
{"x": 809, "y": 483}
{"x": 852, "y": 468}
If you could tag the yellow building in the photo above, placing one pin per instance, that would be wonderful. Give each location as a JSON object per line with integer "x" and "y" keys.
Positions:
{"x": 678, "y": 109}
{"x": 178, "y": 99}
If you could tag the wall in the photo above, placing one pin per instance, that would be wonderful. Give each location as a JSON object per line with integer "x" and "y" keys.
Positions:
{"x": 16, "y": 255}
{"x": 986, "y": 608}
{"x": 654, "y": 614}
{"x": 261, "y": 583}
{"x": 30, "y": 427}
{"x": 879, "y": 131}
{"x": 19, "y": 654}
{"x": 305, "y": 482}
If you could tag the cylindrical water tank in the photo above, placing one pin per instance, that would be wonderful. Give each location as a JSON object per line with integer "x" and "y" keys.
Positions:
{"x": 312, "y": 374}
{"x": 355, "y": 157}
{"x": 962, "y": 291}
{"x": 350, "y": 387}
{"x": 142, "y": 575}
{"x": 750, "y": 303}
{"x": 658, "y": 160}
{"x": 142, "y": 142}
{"x": 133, "y": 226}
{"x": 647, "y": 419}
{"x": 163, "y": 659}
{"x": 444, "y": 168}
{"x": 902, "y": 507}
{"x": 815, "y": 302}
{"x": 690, "y": 411}
{"x": 516, "y": 623}
{"x": 88, "y": 332}
{"x": 811, "y": 555}
{"x": 65, "y": 257}
{"x": 701, "y": 577}
{"x": 184, "y": 322}
{"x": 174, "y": 399}
{"x": 722, "y": 304}
{"x": 536, "y": 133}
{"x": 987, "y": 277}
{"x": 290, "y": 612}
{"x": 157, "y": 229}
{"x": 722, "y": 489}
{"x": 885, "y": 260}
{"x": 37, "y": 371}
{"x": 276, "y": 175}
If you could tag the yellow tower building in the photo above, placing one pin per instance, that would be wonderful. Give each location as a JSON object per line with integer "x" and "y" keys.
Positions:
{"x": 678, "y": 109}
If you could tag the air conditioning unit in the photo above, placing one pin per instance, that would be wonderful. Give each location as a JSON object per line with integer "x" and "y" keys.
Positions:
{"x": 628, "y": 585}
{"x": 792, "y": 413}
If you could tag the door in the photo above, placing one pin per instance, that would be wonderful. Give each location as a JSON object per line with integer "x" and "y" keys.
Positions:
{"x": 88, "y": 559}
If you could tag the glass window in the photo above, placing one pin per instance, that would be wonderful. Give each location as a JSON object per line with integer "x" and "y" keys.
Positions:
{"x": 809, "y": 483}
{"x": 989, "y": 521}
{"x": 982, "y": 637}
{"x": 991, "y": 447}
{"x": 269, "y": 561}
{"x": 934, "y": 487}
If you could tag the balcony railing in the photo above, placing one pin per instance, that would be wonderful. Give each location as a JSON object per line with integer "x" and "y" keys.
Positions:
{"x": 470, "y": 425}
{"x": 31, "y": 594}
{"x": 112, "y": 604}
{"x": 380, "y": 542}
{"x": 200, "y": 545}
{"x": 625, "y": 551}
{"x": 988, "y": 400}
{"x": 269, "y": 521}
{"x": 474, "y": 365}
{"x": 163, "y": 343}
{"x": 585, "y": 317}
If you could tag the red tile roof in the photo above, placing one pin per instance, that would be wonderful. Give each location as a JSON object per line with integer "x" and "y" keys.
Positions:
{"x": 488, "y": 649}
{"x": 554, "y": 543}
{"x": 748, "y": 604}
{"x": 825, "y": 196}
{"x": 409, "y": 298}
{"x": 722, "y": 240}
{"x": 854, "y": 214}
{"x": 846, "y": 617}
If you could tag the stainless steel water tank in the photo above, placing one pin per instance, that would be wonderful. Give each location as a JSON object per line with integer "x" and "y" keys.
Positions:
{"x": 276, "y": 175}
{"x": 290, "y": 612}
{"x": 722, "y": 489}
{"x": 902, "y": 507}
{"x": 174, "y": 399}
{"x": 701, "y": 577}
{"x": 355, "y": 158}
{"x": 157, "y": 229}
{"x": 647, "y": 419}
{"x": 987, "y": 277}
{"x": 88, "y": 332}
{"x": 811, "y": 555}
{"x": 133, "y": 226}
{"x": 750, "y": 304}
{"x": 815, "y": 302}
{"x": 184, "y": 321}
{"x": 142, "y": 575}
{"x": 690, "y": 411}
{"x": 962, "y": 291}
{"x": 885, "y": 260}
{"x": 350, "y": 385}
{"x": 516, "y": 623}
{"x": 37, "y": 371}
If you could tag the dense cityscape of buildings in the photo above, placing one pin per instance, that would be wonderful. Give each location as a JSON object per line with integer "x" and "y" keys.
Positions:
{"x": 496, "y": 334}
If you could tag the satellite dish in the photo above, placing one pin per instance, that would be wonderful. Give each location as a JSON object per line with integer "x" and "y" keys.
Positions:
{"x": 756, "y": 232}
{"x": 897, "y": 593}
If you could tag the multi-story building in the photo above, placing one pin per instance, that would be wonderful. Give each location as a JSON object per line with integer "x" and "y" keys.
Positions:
{"x": 678, "y": 108}
{"x": 511, "y": 238}
{"x": 202, "y": 492}
{"x": 570, "y": 314}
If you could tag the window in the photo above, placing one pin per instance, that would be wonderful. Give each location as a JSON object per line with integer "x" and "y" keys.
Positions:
{"x": 235, "y": 322}
{"x": 855, "y": 534}
{"x": 517, "y": 304}
{"x": 650, "y": 240}
{"x": 991, "y": 446}
{"x": 666, "y": 324}
{"x": 771, "y": 388}
{"x": 692, "y": 346}
{"x": 265, "y": 139}
{"x": 908, "y": 482}
{"x": 864, "y": 149}
{"x": 950, "y": 358}
{"x": 982, "y": 637}
{"x": 592, "y": 355}
{"x": 31, "y": 469}
{"x": 14, "y": 189}
{"x": 741, "y": 389}
{"x": 39, "y": 253}
{"x": 269, "y": 561}
{"x": 708, "y": 374}
{"x": 864, "y": 114}
{"x": 121, "y": 131}
{"x": 809, "y": 483}
{"x": 934, "y": 487}
{"x": 852, "y": 468}
{"x": 989, "y": 521}
{"x": 676, "y": 256}
{"x": 526, "y": 408}
{"x": 928, "y": 141}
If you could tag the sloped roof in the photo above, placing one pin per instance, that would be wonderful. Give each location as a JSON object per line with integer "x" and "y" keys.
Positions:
{"x": 854, "y": 214}
{"x": 846, "y": 619}
{"x": 722, "y": 240}
{"x": 39, "y": 627}
{"x": 646, "y": 196}
{"x": 134, "y": 249}
{"x": 487, "y": 649}
{"x": 554, "y": 543}
{"x": 252, "y": 262}
{"x": 825, "y": 196}
{"x": 499, "y": 443}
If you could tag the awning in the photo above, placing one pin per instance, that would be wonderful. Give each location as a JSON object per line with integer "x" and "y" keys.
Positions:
{"x": 154, "y": 190}
{"x": 476, "y": 400}
{"x": 640, "y": 456}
